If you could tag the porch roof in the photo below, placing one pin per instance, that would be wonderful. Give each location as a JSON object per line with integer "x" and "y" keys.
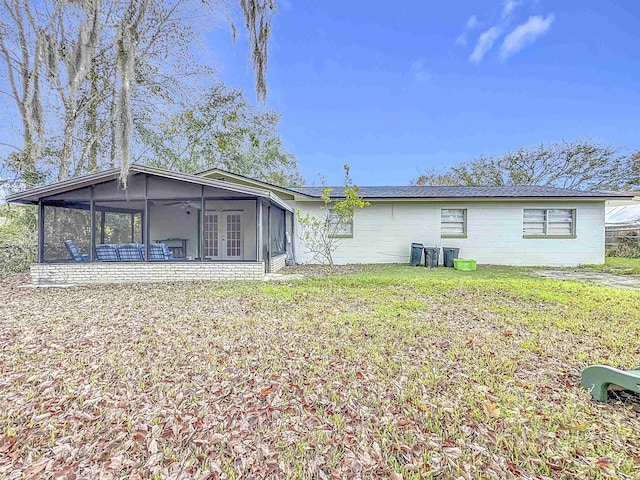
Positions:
{"x": 34, "y": 195}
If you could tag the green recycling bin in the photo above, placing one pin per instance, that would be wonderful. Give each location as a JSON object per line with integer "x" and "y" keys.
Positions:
{"x": 464, "y": 264}
{"x": 448, "y": 255}
{"x": 431, "y": 255}
{"x": 416, "y": 254}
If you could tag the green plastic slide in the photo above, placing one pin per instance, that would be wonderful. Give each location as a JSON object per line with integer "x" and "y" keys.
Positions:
{"x": 597, "y": 378}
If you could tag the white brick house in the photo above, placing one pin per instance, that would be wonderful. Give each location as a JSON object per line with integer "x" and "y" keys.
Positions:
{"x": 218, "y": 225}
{"x": 526, "y": 225}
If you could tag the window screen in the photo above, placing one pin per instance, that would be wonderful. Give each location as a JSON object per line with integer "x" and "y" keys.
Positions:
{"x": 277, "y": 231}
{"x": 453, "y": 222}
{"x": 66, "y": 223}
{"x": 553, "y": 222}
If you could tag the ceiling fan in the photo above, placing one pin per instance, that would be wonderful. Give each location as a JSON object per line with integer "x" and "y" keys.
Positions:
{"x": 186, "y": 204}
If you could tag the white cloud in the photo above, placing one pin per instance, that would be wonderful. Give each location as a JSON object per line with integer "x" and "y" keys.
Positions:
{"x": 420, "y": 73}
{"x": 472, "y": 23}
{"x": 525, "y": 34}
{"x": 509, "y": 6}
{"x": 485, "y": 42}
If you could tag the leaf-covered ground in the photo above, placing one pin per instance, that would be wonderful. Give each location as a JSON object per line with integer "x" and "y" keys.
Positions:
{"x": 394, "y": 373}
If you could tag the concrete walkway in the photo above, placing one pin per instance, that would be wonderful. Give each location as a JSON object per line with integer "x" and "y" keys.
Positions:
{"x": 631, "y": 282}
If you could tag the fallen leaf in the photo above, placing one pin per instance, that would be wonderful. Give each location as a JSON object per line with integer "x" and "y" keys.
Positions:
{"x": 66, "y": 473}
{"x": 554, "y": 466}
{"x": 580, "y": 426}
{"x": 491, "y": 409}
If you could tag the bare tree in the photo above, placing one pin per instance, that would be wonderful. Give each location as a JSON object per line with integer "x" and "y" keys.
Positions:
{"x": 103, "y": 65}
{"x": 75, "y": 53}
{"x": 579, "y": 164}
{"x": 22, "y": 53}
{"x": 433, "y": 177}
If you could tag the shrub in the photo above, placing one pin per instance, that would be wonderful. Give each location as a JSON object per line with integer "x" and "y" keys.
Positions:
{"x": 18, "y": 238}
{"x": 322, "y": 235}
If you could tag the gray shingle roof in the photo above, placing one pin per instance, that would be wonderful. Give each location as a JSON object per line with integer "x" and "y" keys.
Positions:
{"x": 522, "y": 191}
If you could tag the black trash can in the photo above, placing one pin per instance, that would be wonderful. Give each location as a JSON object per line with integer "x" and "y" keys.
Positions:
{"x": 448, "y": 255}
{"x": 416, "y": 254}
{"x": 431, "y": 255}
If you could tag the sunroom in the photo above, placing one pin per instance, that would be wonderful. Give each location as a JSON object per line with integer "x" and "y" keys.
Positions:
{"x": 158, "y": 226}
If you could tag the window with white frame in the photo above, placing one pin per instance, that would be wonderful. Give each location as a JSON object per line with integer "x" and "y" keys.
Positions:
{"x": 340, "y": 227}
{"x": 453, "y": 222}
{"x": 540, "y": 222}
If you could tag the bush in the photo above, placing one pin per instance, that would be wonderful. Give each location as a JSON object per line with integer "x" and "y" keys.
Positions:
{"x": 18, "y": 238}
{"x": 628, "y": 246}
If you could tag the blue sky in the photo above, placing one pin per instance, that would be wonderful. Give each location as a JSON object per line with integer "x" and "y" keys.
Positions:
{"x": 396, "y": 88}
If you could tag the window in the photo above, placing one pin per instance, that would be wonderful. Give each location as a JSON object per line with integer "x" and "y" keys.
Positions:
{"x": 339, "y": 227}
{"x": 453, "y": 223}
{"x": 549, "y": 223}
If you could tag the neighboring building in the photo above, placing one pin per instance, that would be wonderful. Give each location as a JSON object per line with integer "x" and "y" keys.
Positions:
{"x": 622, "y": 223}
{"x": 3, "y": 191}
{"x": 3, "y": 194}
{"x": 626, "y": 198}
{"x": 226, "y": 226}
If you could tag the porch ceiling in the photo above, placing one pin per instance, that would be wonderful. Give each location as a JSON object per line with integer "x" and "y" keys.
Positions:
{"x": 34, "y": 195}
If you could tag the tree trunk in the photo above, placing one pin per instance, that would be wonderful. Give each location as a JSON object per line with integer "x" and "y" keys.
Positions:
{"x": 27, "y": 162}
{"x": 112, "y": 127}
{"x": 93, "y": 121}
{"x": 67, "y": 146}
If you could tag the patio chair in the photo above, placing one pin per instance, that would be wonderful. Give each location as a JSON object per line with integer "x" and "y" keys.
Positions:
{"x": 130, "y": 252}
{"x": 106, "y": 252}
{"x": 597, "y": 378}
{"x": 159, "y": 252}
{"x": 167, "y": 252}
{"x": 74, "y": 252}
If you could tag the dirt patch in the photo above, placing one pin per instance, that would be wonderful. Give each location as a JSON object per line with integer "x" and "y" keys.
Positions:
{"x": 631, "y": 282}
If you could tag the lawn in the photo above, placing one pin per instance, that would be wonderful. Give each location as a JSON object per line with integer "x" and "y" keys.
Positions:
{"x": 397, "y": 373}
{"x": 623, "y": 265}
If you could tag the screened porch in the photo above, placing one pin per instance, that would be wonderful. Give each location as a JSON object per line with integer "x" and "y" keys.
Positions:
{"x": 160, "y": 216}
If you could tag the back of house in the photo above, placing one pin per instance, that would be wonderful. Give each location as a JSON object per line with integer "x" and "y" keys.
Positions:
{"x": 522, "y": 225}
{"x": 222, "y": 226}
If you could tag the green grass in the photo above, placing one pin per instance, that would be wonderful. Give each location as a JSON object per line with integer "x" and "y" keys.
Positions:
{"x": 410, "y": 371}
{"x": 622, "y": 265}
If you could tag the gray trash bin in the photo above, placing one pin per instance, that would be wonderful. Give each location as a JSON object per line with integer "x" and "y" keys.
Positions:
{"x": 416, "y": 254}
{"x": 431, "y": 255}
{"x": 448, "y": 255}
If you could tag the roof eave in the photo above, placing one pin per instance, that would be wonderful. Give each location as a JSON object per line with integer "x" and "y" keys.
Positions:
{"x": 53, "y": 189}
{"x": 249, "y": 179}
{"x": 484, "y": 198}
{"x": 32, "y": 196}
